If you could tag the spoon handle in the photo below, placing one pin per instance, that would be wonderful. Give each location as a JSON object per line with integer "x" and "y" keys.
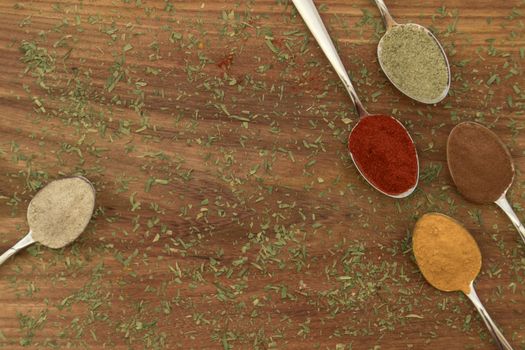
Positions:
{"x": 500, "y": 340}
{"x": 504, "y": 204}
{"x": 385, "y": 14}
{"x": 24, "y": 242}
{"x": 313, "y": 20}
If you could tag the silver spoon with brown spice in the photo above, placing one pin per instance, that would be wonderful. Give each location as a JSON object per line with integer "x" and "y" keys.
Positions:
{"x": 413, "y": 59}
{"x": 58, "y": 214}
{"x": 481, "y": 167}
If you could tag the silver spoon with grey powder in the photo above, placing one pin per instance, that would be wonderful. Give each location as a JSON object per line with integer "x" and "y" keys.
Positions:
{"x": 413, "y": 59}
{"x": 58, "y": 214}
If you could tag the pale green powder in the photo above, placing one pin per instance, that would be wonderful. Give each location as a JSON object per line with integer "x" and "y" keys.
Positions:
{"x": 413, "y": 60}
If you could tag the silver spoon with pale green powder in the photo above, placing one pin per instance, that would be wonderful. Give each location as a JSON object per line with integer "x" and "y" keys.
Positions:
{"x": 413, "y": 59}
{"x": 58, "y": 214}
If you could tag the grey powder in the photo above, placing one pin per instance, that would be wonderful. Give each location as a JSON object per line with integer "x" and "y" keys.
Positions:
{"x": 60, "y": 211}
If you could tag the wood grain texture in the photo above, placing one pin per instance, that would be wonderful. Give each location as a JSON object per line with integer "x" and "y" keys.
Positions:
{"x": 229, "y": 213}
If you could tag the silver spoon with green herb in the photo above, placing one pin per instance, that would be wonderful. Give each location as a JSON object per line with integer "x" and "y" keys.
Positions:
{"x": 58, "y": 214}
{"x": 413, "y": 59}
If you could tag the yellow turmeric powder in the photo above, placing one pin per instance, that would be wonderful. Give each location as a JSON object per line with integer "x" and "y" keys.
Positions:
{"x": 446, "y": 253}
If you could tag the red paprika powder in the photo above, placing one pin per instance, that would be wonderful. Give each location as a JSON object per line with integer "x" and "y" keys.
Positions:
{"x": 384, "y": 153}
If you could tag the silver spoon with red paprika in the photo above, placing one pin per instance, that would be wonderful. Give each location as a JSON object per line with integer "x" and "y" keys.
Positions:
{"x": 380, "y": 146}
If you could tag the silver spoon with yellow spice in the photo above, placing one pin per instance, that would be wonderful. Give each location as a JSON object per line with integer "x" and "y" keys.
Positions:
{"x": 413, "y": 59}
{"x": 58, "y": 214}
{"x": 450, "y": 260}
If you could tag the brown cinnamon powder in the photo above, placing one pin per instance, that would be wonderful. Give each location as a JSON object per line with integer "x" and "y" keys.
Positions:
{"x": 480, "y": 164}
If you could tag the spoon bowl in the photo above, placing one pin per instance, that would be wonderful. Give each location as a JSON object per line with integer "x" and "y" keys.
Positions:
{"x": 392, "y": 25}
{"x": 446, "y": 89}
{"x": 405, "y": 190}
{"x": 36, "y": 235}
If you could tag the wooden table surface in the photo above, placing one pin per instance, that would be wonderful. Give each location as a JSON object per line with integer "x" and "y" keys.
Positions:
{"x": 229, "y": 214}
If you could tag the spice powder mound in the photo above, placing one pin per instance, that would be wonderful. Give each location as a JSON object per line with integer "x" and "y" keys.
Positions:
{"x": 414, "y": 62}
{"x": 446, "y": 253}
{"x": 479, "y": 163}
{"x": 385, "y": 154}
{"x": 60, "y": 211}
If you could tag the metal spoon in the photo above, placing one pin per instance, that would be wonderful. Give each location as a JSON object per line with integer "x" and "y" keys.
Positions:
{"x": 389, "y": 24}
{"x": 500, "y": 340}
{"x": 313, "y": 20}
{"x": 504, "y": 204}
{"x": 501, "y": 201}
{"x": 28, "y": 239}
{"x": 498, "y": 337}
